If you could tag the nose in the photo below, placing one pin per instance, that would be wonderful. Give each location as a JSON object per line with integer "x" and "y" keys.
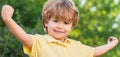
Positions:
{"x": 60, "y": 25}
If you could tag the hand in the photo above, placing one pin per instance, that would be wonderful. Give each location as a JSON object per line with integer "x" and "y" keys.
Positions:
{"x": 7, "y": 12}
{"x": 113, "y": 41}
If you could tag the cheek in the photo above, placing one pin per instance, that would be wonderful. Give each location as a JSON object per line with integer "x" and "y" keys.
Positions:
{"x": 68, "y": 28}
{"x": 51, "y": 25}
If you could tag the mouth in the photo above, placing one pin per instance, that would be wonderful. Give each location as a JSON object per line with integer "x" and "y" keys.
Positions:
{"x": 58, "y": 31}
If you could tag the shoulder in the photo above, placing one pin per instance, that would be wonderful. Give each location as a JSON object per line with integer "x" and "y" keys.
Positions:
{"x": 37, "y": 37}
{"x": 80, "y": 44}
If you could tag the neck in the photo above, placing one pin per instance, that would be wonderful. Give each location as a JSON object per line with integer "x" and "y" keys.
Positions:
{"x": 61, "y": 39}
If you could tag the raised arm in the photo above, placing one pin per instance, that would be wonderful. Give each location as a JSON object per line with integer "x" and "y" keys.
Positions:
{"x": 17, "y": 31}
{"x": 112, "y": 42}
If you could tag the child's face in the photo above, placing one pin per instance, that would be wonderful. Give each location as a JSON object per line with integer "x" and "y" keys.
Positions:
{"x": 58, "y": 29}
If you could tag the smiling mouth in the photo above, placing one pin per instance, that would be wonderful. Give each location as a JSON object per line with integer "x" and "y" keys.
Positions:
{"x": 59, "y": 31}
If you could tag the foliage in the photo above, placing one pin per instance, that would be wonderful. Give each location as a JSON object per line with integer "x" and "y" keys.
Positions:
{"x": 99, "y": 19}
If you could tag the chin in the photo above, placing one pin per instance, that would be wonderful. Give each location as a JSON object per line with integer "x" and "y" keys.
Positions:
{"x": 59, "y": 37}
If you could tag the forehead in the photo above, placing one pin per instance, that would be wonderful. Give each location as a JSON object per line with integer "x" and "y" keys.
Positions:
{"x": 61, "y": 11}
{"x": 63, "y": 15}
{"x": 62, "y": 20}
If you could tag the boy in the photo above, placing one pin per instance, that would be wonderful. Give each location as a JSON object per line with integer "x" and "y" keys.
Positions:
{"x": 59, "y": 18}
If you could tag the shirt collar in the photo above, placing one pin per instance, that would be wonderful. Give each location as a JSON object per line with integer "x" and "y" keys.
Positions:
{"x": 51, "y": 39}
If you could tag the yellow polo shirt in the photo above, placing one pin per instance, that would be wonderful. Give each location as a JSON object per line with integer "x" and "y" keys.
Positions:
{"x": 47, "y": 46}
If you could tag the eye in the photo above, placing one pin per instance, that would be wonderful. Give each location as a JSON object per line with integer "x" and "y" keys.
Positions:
{"x": 55, "y": 20}
{"x": 66, "y": 22}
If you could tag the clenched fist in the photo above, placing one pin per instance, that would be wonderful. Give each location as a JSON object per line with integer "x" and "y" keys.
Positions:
{"x": 112, "y": 41}
{"x": 7, "y": 12}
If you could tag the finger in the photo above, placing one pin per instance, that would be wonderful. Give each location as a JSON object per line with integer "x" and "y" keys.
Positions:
{"x": 111, "y": 39}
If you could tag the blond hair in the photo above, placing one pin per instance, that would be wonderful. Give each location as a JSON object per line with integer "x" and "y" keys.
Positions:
{"x": 63, "y": 10}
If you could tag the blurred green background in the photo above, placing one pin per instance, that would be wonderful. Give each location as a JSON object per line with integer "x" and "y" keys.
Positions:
{"x": 99, "y": 19}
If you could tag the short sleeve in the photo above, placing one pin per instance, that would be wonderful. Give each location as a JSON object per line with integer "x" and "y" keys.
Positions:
{"x": 35, "y": 47}
{"x": 89, "y": 50}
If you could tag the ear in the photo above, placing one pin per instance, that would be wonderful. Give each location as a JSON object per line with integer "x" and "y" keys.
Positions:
{"x": 45, "y": 28}
{"x": 46, "y": 25}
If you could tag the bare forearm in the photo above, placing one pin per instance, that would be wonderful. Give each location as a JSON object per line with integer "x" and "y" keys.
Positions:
{"x": 111, "y": 43}
{"x": 102, "y": 49}
{"x": 15, "y": 29}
